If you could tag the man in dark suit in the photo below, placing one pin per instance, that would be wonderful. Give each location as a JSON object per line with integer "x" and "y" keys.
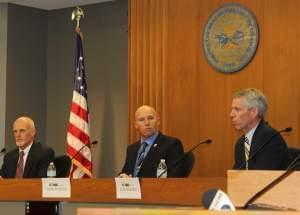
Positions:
{"x": 35, "y": 158}
{"x": 249, "y": 107}
{"x": 29, "y": 160}
{"x": 143, "y": 156}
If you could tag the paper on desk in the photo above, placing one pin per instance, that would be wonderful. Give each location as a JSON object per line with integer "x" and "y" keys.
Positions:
{"x": 56, "y": 188}
{"x": 128, "y": 188}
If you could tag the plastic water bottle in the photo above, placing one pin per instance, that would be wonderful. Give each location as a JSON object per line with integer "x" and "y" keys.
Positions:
{"x": 161, "y": 171}
{"x": 51, "y": 171}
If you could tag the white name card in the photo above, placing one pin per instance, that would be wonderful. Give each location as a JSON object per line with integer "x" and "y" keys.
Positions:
{"x": 56, "y": 188}
{"x": 128, "y": 188}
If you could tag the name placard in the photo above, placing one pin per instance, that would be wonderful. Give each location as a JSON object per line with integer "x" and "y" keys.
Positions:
{"x": 128, "y": 188}
{"x": 56, "y": 188}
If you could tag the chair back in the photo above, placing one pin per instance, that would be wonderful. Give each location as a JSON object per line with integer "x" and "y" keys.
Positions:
{"x": 292, "y": 154}
{"x": 63, "y": 166}
{"x": 189, "y": 162}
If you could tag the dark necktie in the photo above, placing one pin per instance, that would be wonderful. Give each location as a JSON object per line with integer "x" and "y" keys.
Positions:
{"x": 19, "y": 171}
{"x": 140, "y": 158}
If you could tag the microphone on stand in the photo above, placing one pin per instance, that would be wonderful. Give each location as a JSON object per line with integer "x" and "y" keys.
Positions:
{"x": 3, "y": 150}
{"x": 182, "y": 158}
{"x": 92, "y": 143}
{"x": 64, "y": 163}
{"x": 288, "y": 129}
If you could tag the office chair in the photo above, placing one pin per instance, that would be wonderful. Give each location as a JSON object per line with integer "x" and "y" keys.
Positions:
{"x": 189, "y": 162}
{"x": 292, "y": 153}
{"x": 63, "y": 166}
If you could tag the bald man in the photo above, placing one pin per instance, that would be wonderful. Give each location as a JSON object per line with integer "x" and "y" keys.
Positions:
{"x": 29, "y": 159}
{"x": 153, "y": 146}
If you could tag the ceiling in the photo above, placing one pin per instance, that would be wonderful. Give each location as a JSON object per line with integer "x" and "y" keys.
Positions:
{"x": 53, "y": 4}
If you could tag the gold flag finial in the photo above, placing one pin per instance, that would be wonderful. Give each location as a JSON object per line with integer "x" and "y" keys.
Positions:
{"x": 77, "y": 14}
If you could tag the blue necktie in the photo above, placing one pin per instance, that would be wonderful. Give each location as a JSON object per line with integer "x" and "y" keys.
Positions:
{"x": 140, "y": 158}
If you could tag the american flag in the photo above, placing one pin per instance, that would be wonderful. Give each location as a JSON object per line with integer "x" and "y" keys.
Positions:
{"x": 78, "y": 136}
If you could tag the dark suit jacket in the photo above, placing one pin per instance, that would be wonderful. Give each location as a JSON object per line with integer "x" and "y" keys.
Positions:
{"x": 164, "y": 147}
{"x": 36, "y": 165}
{"x": 271, "y": 157}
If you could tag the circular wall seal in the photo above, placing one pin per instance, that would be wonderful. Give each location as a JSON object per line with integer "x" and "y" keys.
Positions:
{"x": 230, "y": 38}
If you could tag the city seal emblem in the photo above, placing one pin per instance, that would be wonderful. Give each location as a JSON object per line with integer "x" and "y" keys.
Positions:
{"x": 230, "y": 38}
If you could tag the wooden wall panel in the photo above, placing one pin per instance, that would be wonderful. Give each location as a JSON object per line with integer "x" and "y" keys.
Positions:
{"x": 168, "y": 70}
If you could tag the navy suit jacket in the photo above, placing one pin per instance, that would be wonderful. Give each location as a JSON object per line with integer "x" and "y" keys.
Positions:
{"x": 164, "y": 147}
{"x": 36, "y": 164}
{"x": 271, "y": 157}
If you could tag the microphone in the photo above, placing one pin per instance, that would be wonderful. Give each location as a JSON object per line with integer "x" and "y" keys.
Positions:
{"x": 290, "y": 169}
{"x": 92, "y": 143}
{"x": 217, "y": 200}
{"x": 179, "y": 160}
{"x": 3, "y": 150}
{"x": 288, "y": 129}
{"x": 70, "y": 159}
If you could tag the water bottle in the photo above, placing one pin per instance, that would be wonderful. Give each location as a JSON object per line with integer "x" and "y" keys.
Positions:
{"x": 161, "y": 171}
{"x": 51, "y": 171}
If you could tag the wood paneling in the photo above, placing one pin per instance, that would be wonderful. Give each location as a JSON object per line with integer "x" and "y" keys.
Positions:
{"x": 168, "y": 70}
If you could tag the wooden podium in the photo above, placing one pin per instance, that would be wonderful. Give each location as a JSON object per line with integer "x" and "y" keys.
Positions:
{"x": 242, "y": 185}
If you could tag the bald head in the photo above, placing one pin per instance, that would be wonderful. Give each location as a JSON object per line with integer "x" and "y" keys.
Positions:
{"x": 146, "y": 121}
{"x": 24, "y": 131}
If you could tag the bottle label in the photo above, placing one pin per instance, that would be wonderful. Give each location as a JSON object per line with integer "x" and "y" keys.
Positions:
{"x": 51, "y": 173}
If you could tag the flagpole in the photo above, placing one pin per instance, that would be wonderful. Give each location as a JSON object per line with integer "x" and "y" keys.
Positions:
{"x": 78, "y": 134}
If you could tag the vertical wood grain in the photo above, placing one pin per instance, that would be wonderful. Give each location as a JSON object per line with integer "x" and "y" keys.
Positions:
{"x": 168, "y": 70}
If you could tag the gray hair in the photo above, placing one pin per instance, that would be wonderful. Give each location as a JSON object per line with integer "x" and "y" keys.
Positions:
{"x": 254, "y": 98}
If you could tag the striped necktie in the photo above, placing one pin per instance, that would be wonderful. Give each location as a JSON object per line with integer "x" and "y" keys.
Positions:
{"x": 20, "y": 170}
{"x": 140, "y": 158}
{"x": 247, "y": 150}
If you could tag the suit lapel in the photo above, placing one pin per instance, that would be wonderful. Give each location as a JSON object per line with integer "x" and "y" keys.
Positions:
{"x": 30, "y": 161}
{"x": 154, "y": 148}
{"x": 256, "y": 137}
{"x": 15, "y": 160}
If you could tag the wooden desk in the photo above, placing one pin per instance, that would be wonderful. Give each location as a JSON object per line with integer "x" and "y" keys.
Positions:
{"x": 172, "y": 211}
{"x": 172, "y": 191}
{"x": 242, "y": 185}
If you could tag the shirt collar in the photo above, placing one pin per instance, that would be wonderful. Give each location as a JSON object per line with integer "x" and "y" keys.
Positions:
{"x": 250, "y": 134}
{"x": 27, "y": 149}
{"x": 150, "y": 140}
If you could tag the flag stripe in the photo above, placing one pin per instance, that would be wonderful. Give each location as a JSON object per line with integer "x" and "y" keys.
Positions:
{"x": 84, "y": 138}
{"x": 77, "y": 145}
{"x": 79, "y": 157}
{"x": 79, "y": 111}
{"x": 80, "y": 124}
{"x": 79, "y": 100}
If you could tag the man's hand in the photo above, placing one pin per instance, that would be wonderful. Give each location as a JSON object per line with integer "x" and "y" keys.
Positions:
{"x": 124, "y": 175}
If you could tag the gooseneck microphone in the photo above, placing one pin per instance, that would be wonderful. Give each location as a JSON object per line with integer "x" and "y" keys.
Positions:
{"x": 288, "y": 129}
{"x": 182, "y": 158}
{"x": 74, "y": 156}
{"x": 290, "y": 169}
{"x": 3, "y": 150}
